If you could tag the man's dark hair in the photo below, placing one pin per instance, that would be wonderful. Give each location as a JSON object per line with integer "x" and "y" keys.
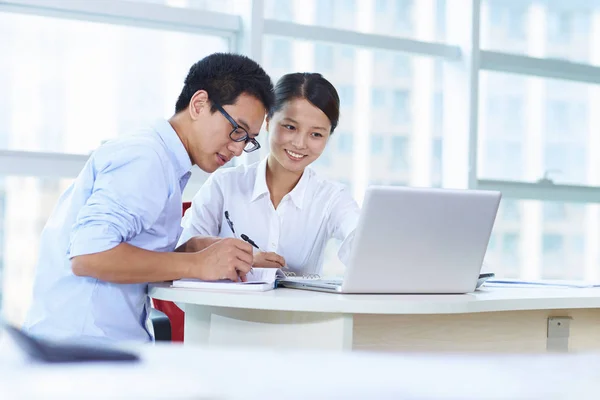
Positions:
{"x": 312, "y": 87}
{"x": 225, "y": 76}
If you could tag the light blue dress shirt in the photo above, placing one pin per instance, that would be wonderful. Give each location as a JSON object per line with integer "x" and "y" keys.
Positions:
{"x": 130, "y": 190}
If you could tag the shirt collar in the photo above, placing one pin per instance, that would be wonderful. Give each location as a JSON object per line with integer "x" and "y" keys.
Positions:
{"x": 260, "y": 182}
{"x": 261, "y": 188}
{"x": 179, "y": 155}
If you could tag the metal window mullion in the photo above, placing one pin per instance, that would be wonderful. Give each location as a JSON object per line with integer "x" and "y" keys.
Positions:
{"x": 128, "y": 13}
{"x": 359, "y": 39}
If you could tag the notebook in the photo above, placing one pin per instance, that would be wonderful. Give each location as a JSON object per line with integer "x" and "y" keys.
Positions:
{"x": 53, "y": 351}
{"x": 259, "y": 280}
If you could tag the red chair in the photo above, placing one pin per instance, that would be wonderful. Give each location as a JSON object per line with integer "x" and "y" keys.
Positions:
{"x": 174, "y": 313}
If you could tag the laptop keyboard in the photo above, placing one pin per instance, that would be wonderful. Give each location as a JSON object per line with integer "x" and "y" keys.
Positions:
{"x": 321, "y": 281}
{"x": 335, "y": 282}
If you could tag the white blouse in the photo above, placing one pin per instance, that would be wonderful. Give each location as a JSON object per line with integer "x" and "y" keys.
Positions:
{"x": 313, "y": 212}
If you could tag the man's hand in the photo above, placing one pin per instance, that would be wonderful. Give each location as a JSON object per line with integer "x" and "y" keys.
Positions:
{"x": 268, "y": 260}
{"x": 224, "y": 259}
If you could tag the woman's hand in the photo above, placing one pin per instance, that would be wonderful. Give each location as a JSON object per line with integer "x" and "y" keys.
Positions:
{"x": 268, "y": 260}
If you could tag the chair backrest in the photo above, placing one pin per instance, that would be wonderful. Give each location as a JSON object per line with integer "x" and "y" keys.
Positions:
{"x": 175, "y": 314}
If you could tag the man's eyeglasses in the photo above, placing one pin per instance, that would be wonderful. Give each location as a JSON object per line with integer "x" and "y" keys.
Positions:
{"x": 239, "y": 134}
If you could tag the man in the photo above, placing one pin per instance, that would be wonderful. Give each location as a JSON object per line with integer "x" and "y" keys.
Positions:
{"x": 115, "y": 228}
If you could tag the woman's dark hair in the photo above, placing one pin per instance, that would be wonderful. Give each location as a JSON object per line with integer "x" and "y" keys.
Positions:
{"x": 225, "y": 77}
{"x": 312, "y": 87}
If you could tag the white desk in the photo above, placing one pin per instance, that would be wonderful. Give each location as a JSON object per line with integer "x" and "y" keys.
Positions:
{"x": 494, "y": 319}
{"x": 184, "y": 372}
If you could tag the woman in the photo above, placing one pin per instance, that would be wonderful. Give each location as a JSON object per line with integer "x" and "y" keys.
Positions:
{"x": 279, "y": 204}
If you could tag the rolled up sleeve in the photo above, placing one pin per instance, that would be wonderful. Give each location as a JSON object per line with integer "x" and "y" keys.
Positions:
{"x": 204, "y": 217}
{"x": 342, "y": 222}
{"x": 129, "y": 194}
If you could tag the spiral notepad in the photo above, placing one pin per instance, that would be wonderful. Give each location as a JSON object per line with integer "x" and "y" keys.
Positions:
{"x": 293, "y": 275}
{"x": 259, "y": 280}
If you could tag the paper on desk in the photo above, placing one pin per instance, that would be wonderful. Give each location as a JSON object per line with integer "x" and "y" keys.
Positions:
{"x": 262, "y": 275}
{"x": 519, "y": 283}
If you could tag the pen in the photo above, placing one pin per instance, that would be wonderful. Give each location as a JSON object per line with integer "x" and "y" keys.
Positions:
{"x": 229, "y": 223}
{"x": 247, "y": 239}
{"x": 244, "y": 237}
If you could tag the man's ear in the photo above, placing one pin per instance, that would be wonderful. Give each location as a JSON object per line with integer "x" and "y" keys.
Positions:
{"x": 268, "y": 120}
{"x": 199, "y": 103}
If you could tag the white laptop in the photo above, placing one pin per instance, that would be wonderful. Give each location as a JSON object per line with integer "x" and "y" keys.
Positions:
{"x": 416, "y": 240}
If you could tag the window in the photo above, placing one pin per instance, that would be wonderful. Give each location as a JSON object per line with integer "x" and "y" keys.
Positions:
{"x": 510, "y": 210}
{"x": 503, "y": 159}
{"x": 559, "y": 25}
{"x": 567, "y": 25}
{"x": 376, "y": 145}
{"x": 402, "y": 66}
{"x": 440, "y": 20}
{"x": 545, "y": 239}
{"x": 558, "y": 117}
{"x": 323, "y": 57}
{"x": 553, "y": 248}
{"x": 436, "y": 154}
{"x": 392, "y": 17}
{"x": 225, "y": 6}
{"x": 345, "y": 143}
{"x": 438, "y": 113}
{"x": 582, "y": 25}
{"x": 281, "y": 53}
{"x": 403, "y": 16}
{"x": 400, "y": 151}
{"x": 346, "y": 94}
{"x": 135, "y": 75}
{"x": 504, "y": 114}
{"x": 280, "y": 9}
{"x": 514, "y": 114}
{"x": 401, "y": 106}
{"x": 347, "y": 53}
{"x": 381, "y": 57}
{"x": 324, "y": 12}
{"x": 493, "y": 243}
{"x": 567, "y": 117}
{"x": 507, "y": 21}
{"x": 511, "y": 248}
{"x": 381, "y": 6}
{"x": 577, "y": 243}
{"x": 566, "y": 162}
{"x": 439, "y": 72}
{"x": 26, "y": 205}
{"x": 324, "y": 160}
{"x": 379, "y": 98}
{"x": 553, "y": 116}
{"x": 349, "y": 6}
{"x": 552, "y": 243}
{"x": 554, "y": 212}
{"x": 67, "y": 86}
{"x": 516, "y": 23}
{"x": 564, "y": 27}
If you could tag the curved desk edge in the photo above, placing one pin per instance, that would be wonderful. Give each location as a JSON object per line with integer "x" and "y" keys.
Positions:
{"x": 489, "y": 300}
